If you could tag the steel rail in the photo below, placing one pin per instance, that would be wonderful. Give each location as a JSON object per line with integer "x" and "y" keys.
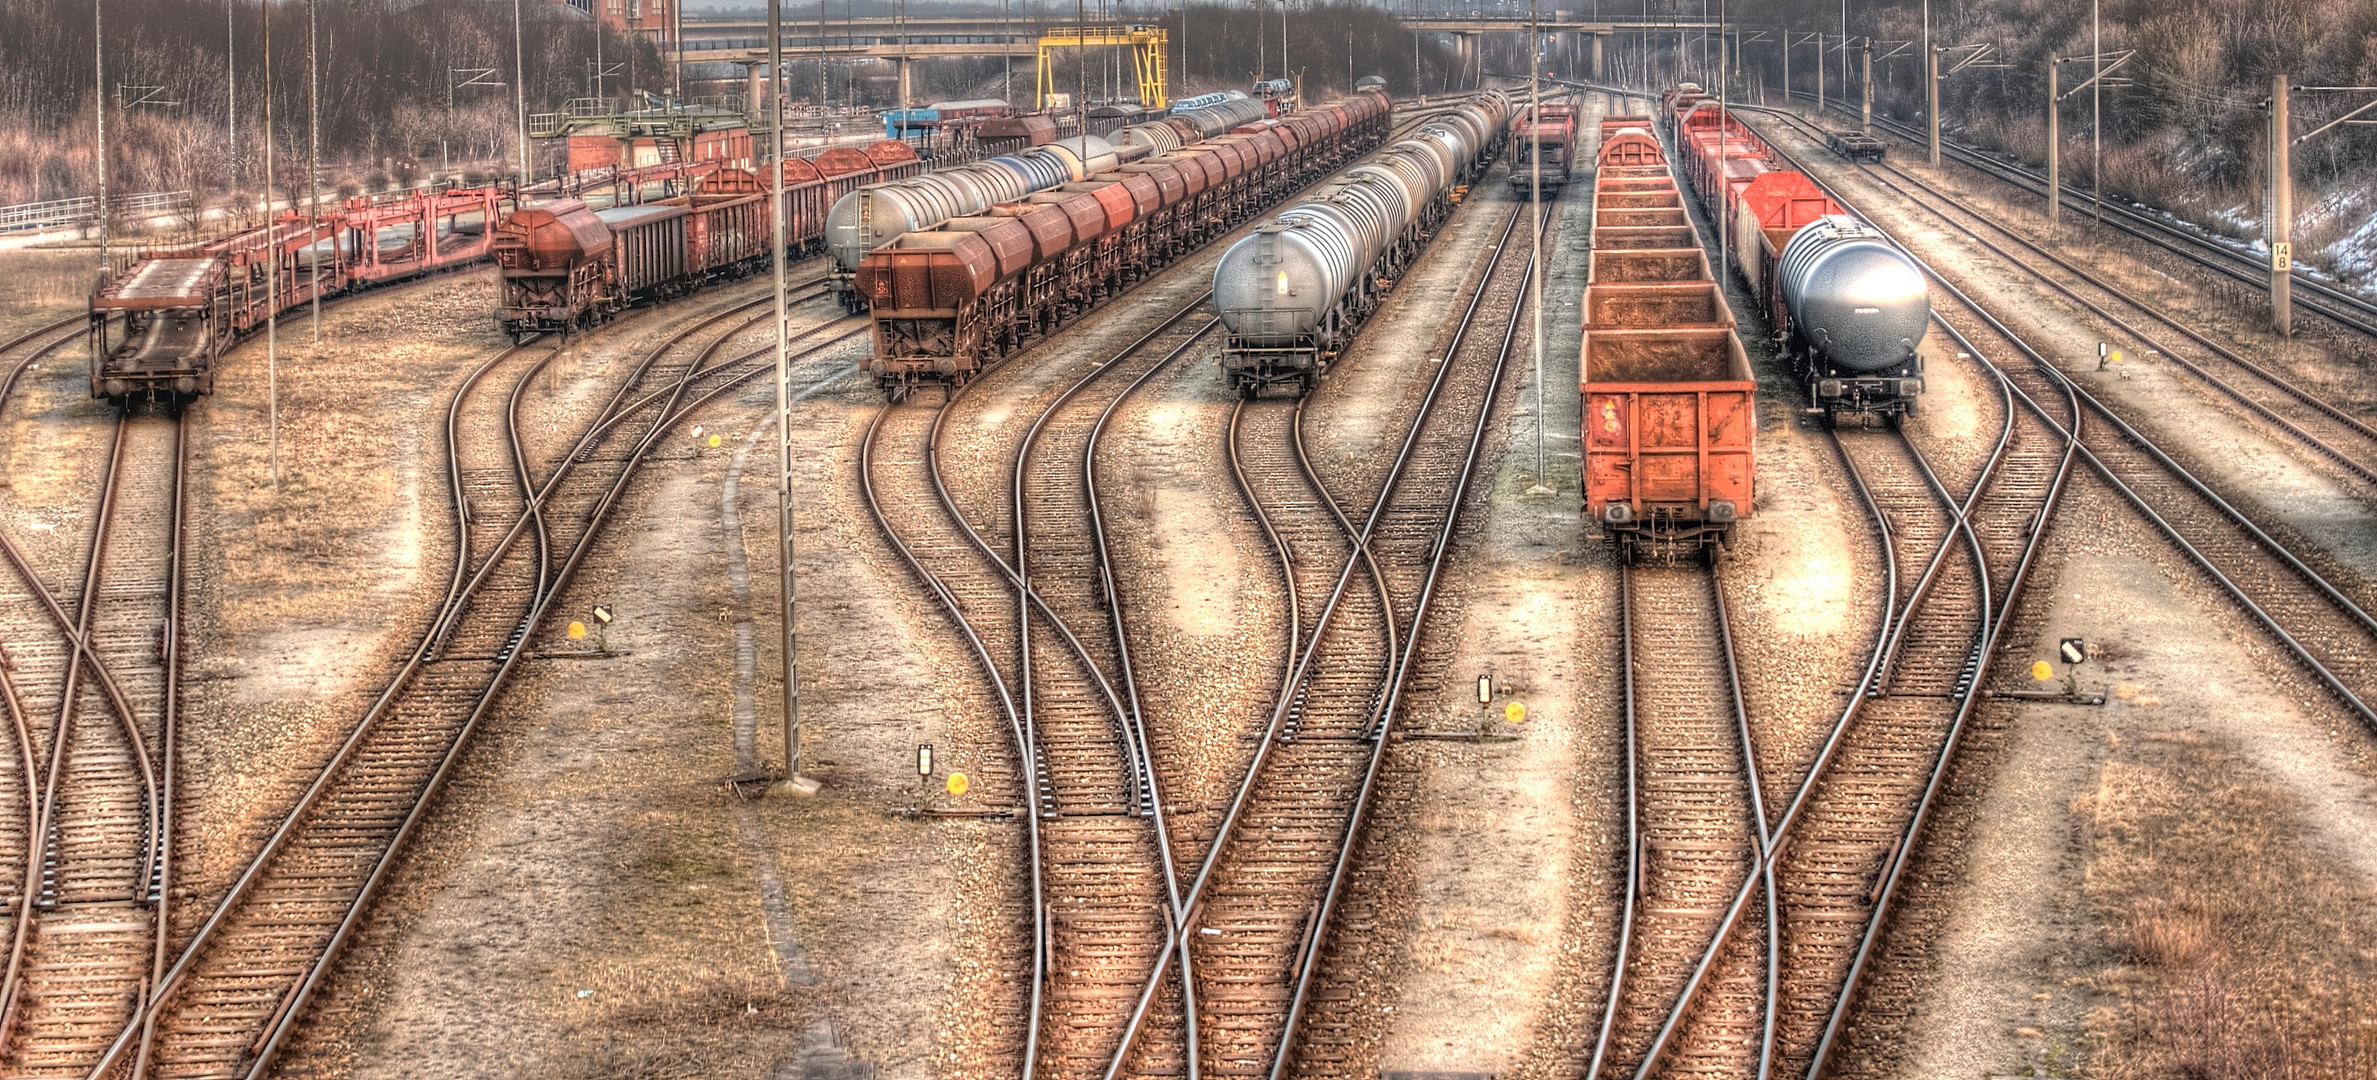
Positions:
{"x": 1303, "y": 661}
{"x": 661, "y": 424}
{"x": 1890, "y": 633}
{"x": 2364, "y": 469}
{"x": 1129, "y": 677}
{"x": 1399, "y": 661}
{"x": 144, "y": 1021}
{"x": 2318, "y": 583}
{"x": 1028, "y": 599}
{"x": 1893, "y": 637}
{"x": 531, "y": 497}
{"x": 79, "y": 650}
{"x": 1991, "y": 630}
{"x": 1018, "y": 713}
{"x": 1761, "y": 837}
{"x": 155, "y": 836}
{"x": 1125, "y": 672}
{"x": 1004, "y": 698}
{"x": 1777, "y": 838}
{"x": 463, "y": 583}
{"x": 155, "y": 832}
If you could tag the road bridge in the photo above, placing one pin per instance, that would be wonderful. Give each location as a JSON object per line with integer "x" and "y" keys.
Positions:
{"x": 905, "y": 40}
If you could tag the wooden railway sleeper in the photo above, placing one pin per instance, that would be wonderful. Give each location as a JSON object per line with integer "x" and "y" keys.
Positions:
{"x": 511, "y": 644}
{"x": 1295, "y": 717}
{"x": 48, "y": 898}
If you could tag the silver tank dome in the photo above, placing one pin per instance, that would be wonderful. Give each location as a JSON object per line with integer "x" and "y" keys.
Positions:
{"x": 1857, "y": 300}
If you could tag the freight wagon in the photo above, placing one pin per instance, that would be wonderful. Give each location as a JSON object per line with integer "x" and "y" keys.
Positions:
{"x": 159, "y": 325}
{"x": 1669, "y": 402}
{"x": 1293, "y": 295}
{"x": 565, "y": 266}
{"x": 1558, "y": 139}
{"x": 950, "y": 297}
{"x": 874, "y": 215}
{"x": 1849, "y": 306}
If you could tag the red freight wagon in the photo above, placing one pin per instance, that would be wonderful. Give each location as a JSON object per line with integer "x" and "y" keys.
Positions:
{"x": 1669, "y": 404}
{"x": 1670, "y": 426}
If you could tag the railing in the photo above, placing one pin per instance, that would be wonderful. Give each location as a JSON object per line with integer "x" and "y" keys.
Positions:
{"x": 64, "y": 212}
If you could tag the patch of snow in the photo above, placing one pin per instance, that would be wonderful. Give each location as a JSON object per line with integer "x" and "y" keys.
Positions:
{"x": 2355, "y": 253}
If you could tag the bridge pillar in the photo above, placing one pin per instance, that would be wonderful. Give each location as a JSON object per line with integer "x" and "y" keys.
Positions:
{"x": 756, "y": 92}
{"x": 1597, "y": 56}
{"x": 907, "y": 70}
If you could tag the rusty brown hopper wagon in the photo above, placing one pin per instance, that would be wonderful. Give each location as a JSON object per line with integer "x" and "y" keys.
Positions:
{"x": 1670, "y": 405}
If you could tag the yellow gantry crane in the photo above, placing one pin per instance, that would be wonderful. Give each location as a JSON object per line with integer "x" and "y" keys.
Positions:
{"x": 1147, "y": 56}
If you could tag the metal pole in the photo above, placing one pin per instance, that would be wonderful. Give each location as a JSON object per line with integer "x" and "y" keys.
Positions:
{"x": 272, "y": 271}
{"x": 2054, "y": 145}
{"x": 520, "y": 89}
{"x": 2096, "y": 95}
{"x": 313, "y": 167}
{"x": 2281, "y": 212}
{"x": 1535, "y": 208}
{"x": 793, "y": 781}
{"x": 598, "y": 55}
{"x": 99, "y": 111}
{"x": 1786, "y": 35}
{"x": 1819, "y": 76}
{"x": 1865, "y": 75}
{"x": 1081, "y": 71}
{"x": 231, "y": 85}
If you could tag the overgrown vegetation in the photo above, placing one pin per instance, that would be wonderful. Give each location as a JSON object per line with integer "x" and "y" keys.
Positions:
{"x": 2184, "y": 123}
{"x": 384, "y": 69}
{"x": 388, "y": 72}
{"x": 2242, "y": 951}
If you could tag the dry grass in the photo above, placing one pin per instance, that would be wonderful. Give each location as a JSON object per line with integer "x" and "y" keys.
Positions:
{"x": 2244, "y": 954}
{"x": 711, "y": 1025}
{"x": 46, "y": 281}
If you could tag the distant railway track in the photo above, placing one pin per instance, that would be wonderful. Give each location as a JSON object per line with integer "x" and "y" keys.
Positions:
{"x": 2302, "y": 414}
{"x": 228, "y": 1002}
{"x": 2310, "y": 293}
{"x": 2319, "y": 613}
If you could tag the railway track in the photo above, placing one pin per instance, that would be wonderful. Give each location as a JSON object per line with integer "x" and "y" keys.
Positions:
{"x": 2316, "y": 610}
{"x": 1957, "y": 552}
{"x": 2301, "y": 413}
{"x": 1027, "y": 579}
{"x": 1272, "y": 884}
{"x": 227, "y": 1004}
{"x": 2310, "y": 293}
{"x": 93, "y": 939}
{"x": 1030, "y": 593}
{"x": 1695, "y": 825}
{"x": 93, "y": 709}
